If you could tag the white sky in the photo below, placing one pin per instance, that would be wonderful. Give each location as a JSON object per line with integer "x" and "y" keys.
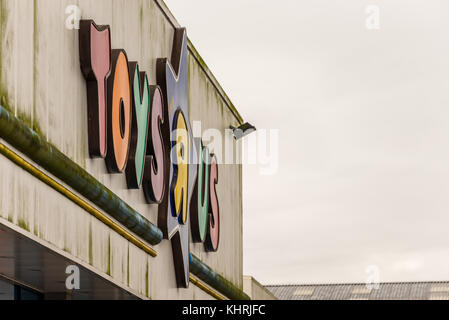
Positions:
{"x": 364, "y": 127}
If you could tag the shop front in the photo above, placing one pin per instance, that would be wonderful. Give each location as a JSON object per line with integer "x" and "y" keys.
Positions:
{"x": 120, "y": 174}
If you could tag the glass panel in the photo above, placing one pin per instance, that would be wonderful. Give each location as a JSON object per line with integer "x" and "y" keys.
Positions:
{"x": 26, "y": 294}
{"x": 6, "y": 290}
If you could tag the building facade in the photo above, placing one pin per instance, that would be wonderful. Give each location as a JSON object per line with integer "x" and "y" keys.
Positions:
{"x": 83, "y": 150}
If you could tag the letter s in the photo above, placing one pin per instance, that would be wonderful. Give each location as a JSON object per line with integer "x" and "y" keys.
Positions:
{"x": 155, "y": 180}
{"x": 213, "y": 228}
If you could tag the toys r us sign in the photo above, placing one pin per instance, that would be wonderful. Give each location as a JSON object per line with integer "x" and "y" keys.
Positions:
{"x": 144, "y": 131}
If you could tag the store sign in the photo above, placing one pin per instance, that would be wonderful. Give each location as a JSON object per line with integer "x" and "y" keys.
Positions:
{"x": 144, "y": 131}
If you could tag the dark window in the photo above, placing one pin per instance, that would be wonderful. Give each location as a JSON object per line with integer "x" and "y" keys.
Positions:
{"x": 6, "y": 290}
{"x": 21, "y": 293}
{"x": 10, "y": 291}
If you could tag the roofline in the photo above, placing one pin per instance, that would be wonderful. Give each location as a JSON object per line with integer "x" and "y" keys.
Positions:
{"x": 353, "y": 284}
{"x": 171, "y": 18}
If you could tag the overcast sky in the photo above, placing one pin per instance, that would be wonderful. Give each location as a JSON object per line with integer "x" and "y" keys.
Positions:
{"x": 364, "y": 129}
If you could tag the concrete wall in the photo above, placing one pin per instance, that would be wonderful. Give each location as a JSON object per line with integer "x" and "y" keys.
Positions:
{"x": 255, "y": 290}
{"x": 41, "y": 82}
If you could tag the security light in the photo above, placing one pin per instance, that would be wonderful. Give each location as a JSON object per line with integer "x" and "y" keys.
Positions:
{"x": 242, "y": 131}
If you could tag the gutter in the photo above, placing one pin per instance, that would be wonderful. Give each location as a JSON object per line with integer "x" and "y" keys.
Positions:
{"x": 216, "y": 281}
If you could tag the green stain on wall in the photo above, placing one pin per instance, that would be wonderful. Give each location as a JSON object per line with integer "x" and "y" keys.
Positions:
{"x": 91, "y": 251}
{"x": 4, "y": 96}
{"x": 30, "y": 122}
{"x": 25, "y": 118}
{"x": 147, "y": 279}
{"x": 28, "y": 119}
{"x": 127, "y": 269}
{"x": 35, "y": 211}
{"x": 35, "y": 50}
{"x": 24, "y": 225}
{"x": 2, "y": 30}
{"x": 4, "y": 100}
{"x": 108, "y": 271}
{"x": 205, "y": 69}
{"x": 141, "y": 16}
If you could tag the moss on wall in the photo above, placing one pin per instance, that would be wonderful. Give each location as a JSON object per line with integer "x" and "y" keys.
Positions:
{"x": 24, "y": 224}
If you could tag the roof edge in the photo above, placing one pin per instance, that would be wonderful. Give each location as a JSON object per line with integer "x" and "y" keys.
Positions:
{"x": 352, "y": 284}
{"x": 171, "y": 18}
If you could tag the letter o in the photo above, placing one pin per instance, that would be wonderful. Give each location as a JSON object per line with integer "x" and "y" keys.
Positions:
{"x": 119, "y": 113}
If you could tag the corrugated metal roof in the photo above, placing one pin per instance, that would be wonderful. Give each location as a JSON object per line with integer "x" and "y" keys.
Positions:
{"x": 385, "y": 291}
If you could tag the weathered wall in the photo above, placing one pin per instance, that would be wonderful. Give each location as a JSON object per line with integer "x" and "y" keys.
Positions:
{"x": 41, "y": 83}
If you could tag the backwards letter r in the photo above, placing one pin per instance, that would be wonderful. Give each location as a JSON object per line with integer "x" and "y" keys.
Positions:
{"x": 95, "y": 61}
